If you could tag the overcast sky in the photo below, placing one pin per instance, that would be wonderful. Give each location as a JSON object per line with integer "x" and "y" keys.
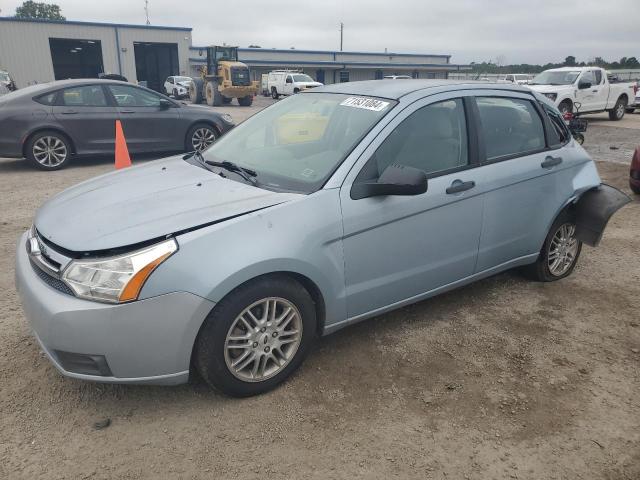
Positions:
{"x": 515, "y": 31}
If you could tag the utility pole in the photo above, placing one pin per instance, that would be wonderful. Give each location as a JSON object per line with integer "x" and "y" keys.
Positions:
{"x": 146, "y": 10}
{"x": 341, "y": 34}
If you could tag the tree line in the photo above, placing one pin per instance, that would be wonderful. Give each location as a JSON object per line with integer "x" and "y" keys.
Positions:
{"x": 570, "y": 61}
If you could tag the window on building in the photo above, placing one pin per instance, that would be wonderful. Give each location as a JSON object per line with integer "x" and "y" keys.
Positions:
{"x": 511, "y": 126}
{"x": 415, "y": 74}
{"x": 85, "y": 96}
{"x": 344, "y": 76}
{"x": 379, "y": 75}
{"x": 432, "y": 139}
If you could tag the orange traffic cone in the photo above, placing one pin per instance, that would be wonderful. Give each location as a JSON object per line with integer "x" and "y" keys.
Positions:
{"x": 122, "y": 152}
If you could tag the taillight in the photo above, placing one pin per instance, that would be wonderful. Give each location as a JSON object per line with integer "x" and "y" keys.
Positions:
{"x": 635, "y": 161}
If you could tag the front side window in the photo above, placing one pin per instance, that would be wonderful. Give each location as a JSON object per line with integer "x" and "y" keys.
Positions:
{"x": 128, "y": 96}
{"x": 296, "y": 144}
{"x": 588, "y": 77}
{"x": 84, "y": 96}
{"x": 510, "y": 126}
{"x": 560, "y": 134}
{"x": 598, "y": 76}
{"x": 302, "y": 78}
{"x": 432, "y": 139}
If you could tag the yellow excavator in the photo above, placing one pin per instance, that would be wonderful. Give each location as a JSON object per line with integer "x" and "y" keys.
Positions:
{"x": 223, "y": 79}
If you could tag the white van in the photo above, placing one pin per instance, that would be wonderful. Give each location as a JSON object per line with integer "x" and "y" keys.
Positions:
{"x": 286, "y": 82}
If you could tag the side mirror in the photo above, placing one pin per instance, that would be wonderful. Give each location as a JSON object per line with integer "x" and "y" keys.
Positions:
{"x": 165, "y": 104}
{"x": 584, "y": 85}
{"x": 395, "y": 180}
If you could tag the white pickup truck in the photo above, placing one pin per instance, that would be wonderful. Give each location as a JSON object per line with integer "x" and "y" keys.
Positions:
{"x": 587, "y": 86}
{"x": 284, "y": 82}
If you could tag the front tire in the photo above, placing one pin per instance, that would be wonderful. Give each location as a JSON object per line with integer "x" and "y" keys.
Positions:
{"x": 245, "y": 101}
{"x": 617, "y": 113}
{"x": 560, "y": 252}
{"x": 48, "y": 150}
{"x": 274, "y": 93}
{"x": 200, "y": 137}
{"x": 256, "y": 337}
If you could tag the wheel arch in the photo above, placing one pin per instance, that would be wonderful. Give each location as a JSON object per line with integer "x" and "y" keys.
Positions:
{"x": 58, "y": 130}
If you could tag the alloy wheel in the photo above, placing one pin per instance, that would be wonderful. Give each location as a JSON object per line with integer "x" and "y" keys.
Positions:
{"x": 563, "y": 249}
{"x": 621, "y": 109}
{"x": 202, "y": 138}
{"x": 263, "y": 339}
{"x": 50, "y": 151}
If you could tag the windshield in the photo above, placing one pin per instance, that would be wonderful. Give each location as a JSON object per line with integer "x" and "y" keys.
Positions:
{"x": 302, "y": 78}
{"x": 182, "y": 79}
{"x": 555, "y": 78}
{"x": 296, "y": 144}
{"x": 4, "y": 77}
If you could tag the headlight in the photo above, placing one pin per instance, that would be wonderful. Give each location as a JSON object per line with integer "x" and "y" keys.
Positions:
{"x": 551, "y": 96}
{"x": 227, "y": 118}
{"x": 119, "y": 278}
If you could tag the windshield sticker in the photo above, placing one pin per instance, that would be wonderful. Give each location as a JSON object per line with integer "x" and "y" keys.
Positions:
{"x": 366, "y": 103}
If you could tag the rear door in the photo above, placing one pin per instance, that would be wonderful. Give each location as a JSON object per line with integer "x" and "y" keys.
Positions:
{"x": 147, "y": 126}
{"x": 523, "y": 177}
{"x": 88, "y": 117}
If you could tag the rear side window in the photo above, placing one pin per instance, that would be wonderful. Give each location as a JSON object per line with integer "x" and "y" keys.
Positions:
{"x": 46, "y": 99}
{"x": 511, "y": 127}
{"x": 128, "y": 96}
{"x": 559, "y": 132}
{"x": 84, "y": 96}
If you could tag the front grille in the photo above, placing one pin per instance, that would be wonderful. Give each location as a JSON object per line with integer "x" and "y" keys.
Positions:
{"x": 240, "y": 77}
{"x": 50, "y": 280}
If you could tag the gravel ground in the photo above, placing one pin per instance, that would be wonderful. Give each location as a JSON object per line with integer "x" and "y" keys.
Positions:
{"x": 501, "y": 379}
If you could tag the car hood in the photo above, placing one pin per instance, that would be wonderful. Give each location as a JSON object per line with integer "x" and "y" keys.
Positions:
{"x": 549, "y": 88}
{"x": 143, "y": 203}
{"x": 184, "y": 84}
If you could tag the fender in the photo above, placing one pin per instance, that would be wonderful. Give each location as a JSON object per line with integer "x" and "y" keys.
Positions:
{"x": 594, "y": 209}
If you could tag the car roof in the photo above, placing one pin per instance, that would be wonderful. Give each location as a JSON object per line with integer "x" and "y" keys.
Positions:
{"x": 395, "y": 90}
{"x": 570, "y": 69}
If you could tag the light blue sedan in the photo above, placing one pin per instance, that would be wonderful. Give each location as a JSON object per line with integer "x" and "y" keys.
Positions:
{"x": 322, "y": 210}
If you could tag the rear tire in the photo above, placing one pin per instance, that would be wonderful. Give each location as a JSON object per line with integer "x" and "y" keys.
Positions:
{"x": 274, "y": 93}
{"x": 634, "y": 188}
{"x": 245, "y": 101}
{"x": 617, "y": 113}
{"x": 48, "y": 150}
{"x": 195, "y": 90}
{"x": 560, "y": 252}
{"x": 241, "y": 332}
{"x": 214, "y": 97}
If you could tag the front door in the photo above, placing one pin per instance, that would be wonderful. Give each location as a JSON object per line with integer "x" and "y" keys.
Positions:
{"x": 587, "y": 97}
{"x": 146, "y": 124}
{"x": 87, "y": 117}
{"x": 399, "y": 247}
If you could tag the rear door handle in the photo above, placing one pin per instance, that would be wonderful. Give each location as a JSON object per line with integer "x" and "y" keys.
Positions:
{"x": 459, "y": 186}
{"x": 550, "y": 162}
{"x": 127, "y": 111}
{"x": 69, "y": 112}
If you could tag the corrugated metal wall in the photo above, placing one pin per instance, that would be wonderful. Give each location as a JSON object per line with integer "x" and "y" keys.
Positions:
{"x": 25, "y": 52}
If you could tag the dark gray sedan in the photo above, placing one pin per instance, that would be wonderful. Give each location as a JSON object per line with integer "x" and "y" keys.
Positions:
{"x": 48, "y": 124}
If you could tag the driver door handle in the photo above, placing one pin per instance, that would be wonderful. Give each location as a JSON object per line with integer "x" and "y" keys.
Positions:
{"x": 458, "y": 186}
{"x": 550, "y": 162}
{"x": 127, "y": 111}
{"x": 69, "y": 112}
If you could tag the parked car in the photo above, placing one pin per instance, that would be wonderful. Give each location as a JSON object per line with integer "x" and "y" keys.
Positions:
{"x": 519, "y": 78}
{"x": 7, "y": 82}
{"x": 284, "y": 82}
{"x": 49, "y": 123}
{"x": 321, "y": 211}
{"x": 634, "y": 172}
{"x": 588, "y": 86}
{"x": 177, "y": 87}
{"x": 396, "y": 77}
{"x": 264, "y": 85}
{"x": 635, "y": 103}
{"x": 112, "y": 76}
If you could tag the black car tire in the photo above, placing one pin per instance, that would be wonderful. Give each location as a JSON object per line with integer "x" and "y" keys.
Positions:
{"x": 540, "y": 270}
{"x": 58, "y": 144}
{"x": 635, "y": 189}
{"x": 190, "y": 145}
{"x": 175, "y": 94}
{"x": 209, "y": 354}
{"x": 274, "y": 93}
{"x": 195, "y": 90}
{"x": 245, "y": 101}
{"x": 631, "y": 110}
{"x": 618, "y": 110}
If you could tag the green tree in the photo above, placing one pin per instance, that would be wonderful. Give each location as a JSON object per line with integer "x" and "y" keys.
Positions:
{"x": 570, "y": 61}
{"x": 31, "y": 9}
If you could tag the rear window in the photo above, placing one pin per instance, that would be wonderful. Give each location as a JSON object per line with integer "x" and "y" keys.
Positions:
{"x": 560, "y": 132}
{"x": 84, "y": 96}
{"x": 511, "y": 127}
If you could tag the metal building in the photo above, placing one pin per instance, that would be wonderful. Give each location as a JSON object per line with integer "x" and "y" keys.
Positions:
{"x": 37, "y": 51}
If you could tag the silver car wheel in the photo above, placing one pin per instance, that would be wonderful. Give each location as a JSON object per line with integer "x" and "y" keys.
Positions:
{"x": 49, "y": 151}
{"x": 562, "y": 250}
{"x": 263, "y": 339}
{"x": 621, "y": 109}
{"x": 202, "y": 138}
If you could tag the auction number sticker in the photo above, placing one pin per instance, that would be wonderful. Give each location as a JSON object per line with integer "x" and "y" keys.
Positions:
{"x": 366, "y": 103}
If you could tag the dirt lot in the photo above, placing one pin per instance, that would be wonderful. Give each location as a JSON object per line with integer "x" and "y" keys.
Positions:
{"x": 502, "y": 379}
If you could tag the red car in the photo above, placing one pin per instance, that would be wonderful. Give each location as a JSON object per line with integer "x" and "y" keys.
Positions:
{"x": 634, "y": 172}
